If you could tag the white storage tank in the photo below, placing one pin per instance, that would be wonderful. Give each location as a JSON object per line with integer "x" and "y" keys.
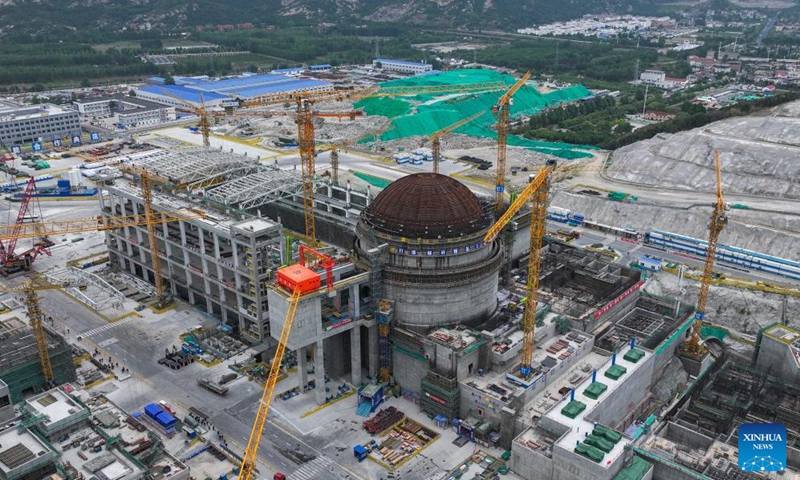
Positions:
{"x": 75, "y": 178}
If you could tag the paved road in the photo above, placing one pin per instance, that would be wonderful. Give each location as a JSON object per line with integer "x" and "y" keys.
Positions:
{"x": 138, "y": 343}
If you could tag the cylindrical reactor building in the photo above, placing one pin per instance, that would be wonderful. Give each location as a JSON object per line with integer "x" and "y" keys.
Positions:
{"x": 437, "y": 269}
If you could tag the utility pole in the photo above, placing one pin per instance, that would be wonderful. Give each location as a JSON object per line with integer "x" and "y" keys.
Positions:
{"x": 644, "y": 105}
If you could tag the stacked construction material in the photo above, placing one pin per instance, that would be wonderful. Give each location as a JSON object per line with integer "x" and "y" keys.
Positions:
{"x": 384, "y": 419}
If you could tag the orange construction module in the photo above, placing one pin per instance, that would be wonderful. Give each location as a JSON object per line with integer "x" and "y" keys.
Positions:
{"x": 297, "y": 276}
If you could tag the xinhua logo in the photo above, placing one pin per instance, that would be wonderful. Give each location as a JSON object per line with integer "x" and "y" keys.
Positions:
{"x": 762, "y": 447}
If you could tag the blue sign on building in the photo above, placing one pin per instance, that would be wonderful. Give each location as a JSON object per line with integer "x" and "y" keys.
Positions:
{"x": 76, "y": 140}
{"x": 16, "y": 149}
{"x": 57, "y": 142}
{"x": 94, "y": 136}
{"x": 37, "y": 146}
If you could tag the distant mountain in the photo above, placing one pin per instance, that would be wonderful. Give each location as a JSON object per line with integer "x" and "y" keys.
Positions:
{"x": 60, "y": 16}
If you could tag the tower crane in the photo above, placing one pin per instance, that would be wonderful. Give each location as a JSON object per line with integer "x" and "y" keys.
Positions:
{"x": 503, "y": 111}
{"x": 251, "y": 451}
{"x": 719, "y": 219}
{"x": 204, "y": 125}
{"x": 437, "y": 136}
{"x": 536, "y": 192}
{"x": 36, "y": 318}
{"x": 306, "y": 140}
{"x": 346, "y": 143}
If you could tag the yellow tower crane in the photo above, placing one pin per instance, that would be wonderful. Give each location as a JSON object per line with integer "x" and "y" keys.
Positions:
{"x": 536, "y": 192}
{"x": 503, "y": 111}
{"x": 204, "y": 125}
{"x": 36, "y": 319}
{"x": 251, "y": 452}
{"x": 719, "y": 219}
{"x": 437, "y": 137}
{"x": 336, "y": 146}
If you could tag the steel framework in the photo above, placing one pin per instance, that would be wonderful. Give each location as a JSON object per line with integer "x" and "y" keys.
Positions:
{"x": 260, "y": 188}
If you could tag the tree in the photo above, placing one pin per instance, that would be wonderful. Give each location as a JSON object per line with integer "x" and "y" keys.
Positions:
{"x": 131, "y": 93}
{"x": 253, "y": 68}
{"x": 85, "y": 83}
{"x": 168, "y": 80}
{"x": 623, "y": 127}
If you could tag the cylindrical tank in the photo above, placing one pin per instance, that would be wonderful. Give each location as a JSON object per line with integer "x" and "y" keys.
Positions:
{"x": 75, "y": 178}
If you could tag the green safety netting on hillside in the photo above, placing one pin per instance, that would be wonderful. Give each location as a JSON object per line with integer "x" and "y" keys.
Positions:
{"x": 435, "y": 114}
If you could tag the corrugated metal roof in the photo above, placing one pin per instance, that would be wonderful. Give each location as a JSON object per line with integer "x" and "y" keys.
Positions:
{"x": 400, "y": 62}
{"x": 184, "y": 93}
{"x": 286, "y": 86}
{"x": 231, "y": 84}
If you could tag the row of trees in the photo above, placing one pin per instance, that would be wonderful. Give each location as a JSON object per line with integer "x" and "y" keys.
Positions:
{"x": 687, "y": 122}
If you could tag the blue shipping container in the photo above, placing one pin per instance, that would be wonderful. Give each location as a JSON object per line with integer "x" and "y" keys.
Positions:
{"x": 165, "y": 419}
{"x": 152, "y": 410}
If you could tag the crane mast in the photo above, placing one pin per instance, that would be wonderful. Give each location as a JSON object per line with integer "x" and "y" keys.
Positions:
{"x": 503, "y": 111}
{"x": 537, "y": 193}
{"x": 436, "y": 146}
{"x": 251, "y": 452}
{"x": 307, "y": 145}
{"x": 147, "y": 199}
{"x": 36, "y": 317}
{"x": 718, "y": 221}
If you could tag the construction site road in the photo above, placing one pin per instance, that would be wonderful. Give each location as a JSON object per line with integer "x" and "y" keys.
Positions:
{"x": 144, "y": 343}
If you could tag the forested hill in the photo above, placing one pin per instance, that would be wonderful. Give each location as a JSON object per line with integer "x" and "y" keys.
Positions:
{"x": 59, "y": 17}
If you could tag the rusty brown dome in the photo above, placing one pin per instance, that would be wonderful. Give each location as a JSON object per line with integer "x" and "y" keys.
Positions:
{"x": 426, "y": 205}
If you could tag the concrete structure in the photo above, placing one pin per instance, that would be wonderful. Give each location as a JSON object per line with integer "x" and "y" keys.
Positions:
{"x": 778, "y": 352}
{"x": 402, "y": 66}
{"x": 328, "y": 327}
{"x": 556, "y": 458}
{"x": 6, "y": 405}
{"x": 47, "y": 122}
{"x": 128, "y": 112}
{"x": 63, "y": 415}
{"x": 20, "y": 368}
{"x": 436, "y": 269}
{"x": 219, "y": 264}
{"x": 25, "y": 456}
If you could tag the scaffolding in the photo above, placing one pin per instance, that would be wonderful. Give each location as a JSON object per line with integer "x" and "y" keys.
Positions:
{"x": 384, "y": 316}
{"x": 20, "y": 367}
{"x": 440, "y": 395}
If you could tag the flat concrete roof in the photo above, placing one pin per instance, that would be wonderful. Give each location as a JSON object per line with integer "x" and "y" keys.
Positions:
{"x": 55, "y": 404}
{"x": 579, "y": 426}
{"x": 783, "y": 333}
{"x": 255, "y": 225}
{"x": 11, "y": 439}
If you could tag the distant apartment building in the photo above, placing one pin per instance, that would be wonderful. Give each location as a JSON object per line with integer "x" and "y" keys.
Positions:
{"x": 652, "y": 77}
{"x": 28, "y": 123}
{"x": 402, "y": 66}
{"x": 660, "y": 79}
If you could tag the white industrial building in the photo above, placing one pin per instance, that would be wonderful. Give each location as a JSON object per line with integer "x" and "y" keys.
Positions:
{"x": 23, "y": 124}
{"x": 402, "y": 66}
{"x": 126, "y": 111}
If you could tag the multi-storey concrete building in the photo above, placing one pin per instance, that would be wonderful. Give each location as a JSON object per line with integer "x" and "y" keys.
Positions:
{"x": 25, "y": 124}
{"x": 129, "y": 112}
